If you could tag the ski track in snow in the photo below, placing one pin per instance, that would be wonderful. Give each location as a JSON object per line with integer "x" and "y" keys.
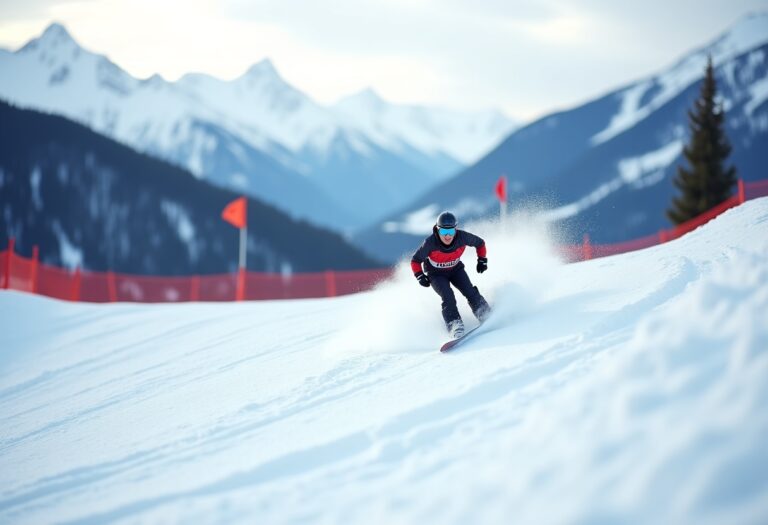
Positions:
{"x": 626, "y": 389}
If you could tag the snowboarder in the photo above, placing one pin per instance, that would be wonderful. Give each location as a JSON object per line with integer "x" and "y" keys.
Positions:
{"x": 440, "y": 255}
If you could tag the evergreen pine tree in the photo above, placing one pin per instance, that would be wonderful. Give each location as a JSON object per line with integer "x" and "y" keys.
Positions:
{"x": 708, "y": 182}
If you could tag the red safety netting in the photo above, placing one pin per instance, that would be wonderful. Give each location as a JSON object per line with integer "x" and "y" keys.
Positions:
{"x": 604, "y": 250}
{"x": 702, "y": 219}
{"x": 56, "y": 282}
{"x": 587, "y": 250}
{"x": 308, "y": 285}
{"x": 24, "y": 274}
{"x": 101, "y": 287}
{"x": 753, "y": 190}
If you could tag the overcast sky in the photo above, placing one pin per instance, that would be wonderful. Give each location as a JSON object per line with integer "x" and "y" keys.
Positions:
{"x": 525, "y": 57}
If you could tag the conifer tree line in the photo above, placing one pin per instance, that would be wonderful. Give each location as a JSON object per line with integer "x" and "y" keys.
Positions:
{"x": 706, "y": 181}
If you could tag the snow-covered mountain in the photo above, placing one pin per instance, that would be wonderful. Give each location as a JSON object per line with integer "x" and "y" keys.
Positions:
{"x": 91, "y": 202}
{"x": 464, "y": 136}
{"x": 256, "y": 133}
{"x": 631, "y": 389}
{"x": 606, "y": 167}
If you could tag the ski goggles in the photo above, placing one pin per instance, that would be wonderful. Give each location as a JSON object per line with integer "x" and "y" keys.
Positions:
{"x": 447, "y": 231}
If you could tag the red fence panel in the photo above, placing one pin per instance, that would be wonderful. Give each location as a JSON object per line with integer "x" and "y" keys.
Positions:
{"x": 150, "y": 289}
{"x": 55, "y": 282}
{"x": 220, "y": 287}
{"x": 20, "y": 276}
{"x": 306, "y": 285}
{"x": 94, "y": 287}
{"x": 689, "y": 226}
{"x": 604, "y": 250}
{"x": 753, "y": 190}
{"x": 587, "y": 250}
{"x": 356, "y": 281}
{"x": 260, "y": 286}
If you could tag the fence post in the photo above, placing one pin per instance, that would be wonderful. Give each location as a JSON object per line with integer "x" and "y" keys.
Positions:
{"x": 111, "y": 286}
{"x": 586, "y": 248}
{"x": 9, "y": 258}
{"x": 742, "y": 196}
{"x": 35, "y": 264}
{"x": 76, "y": 285}
{"x": 240, "y": 292}
{"x": 330, "y": 283}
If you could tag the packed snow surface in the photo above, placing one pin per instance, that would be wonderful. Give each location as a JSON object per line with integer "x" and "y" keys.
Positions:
{"x": 629, "y": 389}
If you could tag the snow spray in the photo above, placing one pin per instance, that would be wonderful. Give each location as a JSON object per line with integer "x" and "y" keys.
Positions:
{"x": 400, "y": 316}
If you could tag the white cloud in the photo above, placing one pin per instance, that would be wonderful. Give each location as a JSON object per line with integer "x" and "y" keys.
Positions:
{"x": 527, "y": 57}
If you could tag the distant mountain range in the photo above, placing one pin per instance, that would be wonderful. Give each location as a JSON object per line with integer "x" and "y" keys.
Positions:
{"x": 606, "y": 167}
{"x": 88, "y": 201}
{"x": 342, "y": 166}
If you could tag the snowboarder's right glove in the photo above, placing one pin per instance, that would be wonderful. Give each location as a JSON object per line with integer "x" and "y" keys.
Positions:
{"x": 482, "y": 264}
{"x": 423, "y": 279}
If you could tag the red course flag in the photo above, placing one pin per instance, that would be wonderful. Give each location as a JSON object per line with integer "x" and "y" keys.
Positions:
{"x": 501, "y": 188}
{"x": 236, "y": 212}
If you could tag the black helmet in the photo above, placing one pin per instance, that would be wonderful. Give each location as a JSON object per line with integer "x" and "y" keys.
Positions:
{"x": 446, "y": 220}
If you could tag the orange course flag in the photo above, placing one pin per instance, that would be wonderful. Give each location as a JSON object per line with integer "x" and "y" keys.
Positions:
{"x": 501, "y": 188}
{"x": 236, "y": 212}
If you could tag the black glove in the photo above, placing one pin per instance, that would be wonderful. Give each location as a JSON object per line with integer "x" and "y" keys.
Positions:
{"x": 482, "y": 264}
{"x": 423, "y": 279}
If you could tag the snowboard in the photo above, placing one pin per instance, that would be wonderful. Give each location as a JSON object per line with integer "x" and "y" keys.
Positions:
{"x": 453, "y": 343}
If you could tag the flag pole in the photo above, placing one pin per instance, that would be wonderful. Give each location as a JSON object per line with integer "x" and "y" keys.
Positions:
{"x": 501, "y": 194}
{"x": 503, "y": 213}
{"x": 240, "y": 292}
{"x": 243, "y": 251}
{"x": 236, "y": 213}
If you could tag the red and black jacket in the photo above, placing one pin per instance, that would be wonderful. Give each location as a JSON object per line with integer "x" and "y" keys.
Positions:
{"x": 439, "y": 258}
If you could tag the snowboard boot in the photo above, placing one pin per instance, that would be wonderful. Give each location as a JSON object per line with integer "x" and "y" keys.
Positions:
{"x": 479, "y": 306}
{"x": 482, "y": 313}
{"x": 456, "y": 328}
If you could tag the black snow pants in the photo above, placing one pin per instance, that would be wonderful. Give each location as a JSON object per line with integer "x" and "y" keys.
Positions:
{"x": 441, "y": 283}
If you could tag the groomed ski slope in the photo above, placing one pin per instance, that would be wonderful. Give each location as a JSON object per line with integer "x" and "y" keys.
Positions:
{"x": 629, "y": 389}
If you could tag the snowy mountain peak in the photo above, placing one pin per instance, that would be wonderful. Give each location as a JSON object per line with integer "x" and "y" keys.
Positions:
{"x": 263, "y": 79}
{"x": 748, "y": 32}
{"x": 260, "y": 73}
{"x": 263, "y": 67}
{"x": 55, "y": 37}
{"x": 371, "y": 97}
{"x": 367, "y": 98}
{"x": 156, "y": 80}
{"x": 222, "y": 127}
{"x": 57, "y": 33}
